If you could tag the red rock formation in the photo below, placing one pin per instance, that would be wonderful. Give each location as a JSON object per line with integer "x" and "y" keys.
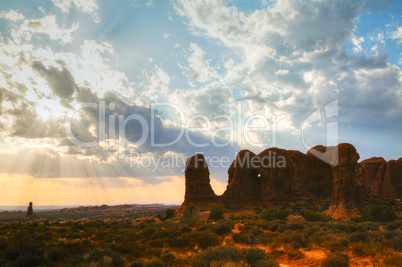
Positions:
{"x": 380, "y": 179}
{"x": 300, "y": 177}
{"x": 244, "y": 182}
{"x": 198, "y": 188}
{"x": 278, "y": 175}
{"x": 344, "y": 163}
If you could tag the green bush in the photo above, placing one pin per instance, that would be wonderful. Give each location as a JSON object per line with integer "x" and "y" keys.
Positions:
{"x": 104, "y": 257}
{"x": 169, "y": 213}
{"x": 236, "y": 256}
{"x": 394, "y": 225}
{"x": 208, "y": 240}
{"x": 367, "y": 227}
{"x": 185, "y": 229}
{"x": 216, "y": 213}
{"x": 336, "y": 260}
{"x": 271, "y": 214}
{"x": 338, "y": 244}
{"x": 358, "y": 237}
{"x": 379, "y": 213}
{"x": 312, "y": 216}
{"x": 361, "y": 249}
{"x": 247, "y": 236}
{"x": 56, "y": 253}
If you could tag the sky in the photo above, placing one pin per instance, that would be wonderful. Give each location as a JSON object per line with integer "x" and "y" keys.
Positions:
{"x": 101, "y": 102}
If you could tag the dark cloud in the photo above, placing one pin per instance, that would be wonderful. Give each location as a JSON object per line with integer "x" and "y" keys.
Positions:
{"x": 60, "y": 81}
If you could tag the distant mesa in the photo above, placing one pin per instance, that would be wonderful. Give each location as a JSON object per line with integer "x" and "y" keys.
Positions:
{"x": 335, "y": 177}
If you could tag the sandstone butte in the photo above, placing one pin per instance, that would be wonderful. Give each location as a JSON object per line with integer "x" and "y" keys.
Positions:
{"x": 325, "y": 174}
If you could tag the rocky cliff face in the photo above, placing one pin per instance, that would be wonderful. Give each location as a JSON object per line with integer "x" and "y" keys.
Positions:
{"x": 277, "y": 176}
{"x": 379, "y": 179}
{"x": 343, "y": 180}
{"x": 198, "y": 188}
{"x": 244, "y": 182}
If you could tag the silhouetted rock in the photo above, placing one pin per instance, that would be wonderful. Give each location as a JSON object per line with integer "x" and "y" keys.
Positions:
{"x": 30, "y": 210}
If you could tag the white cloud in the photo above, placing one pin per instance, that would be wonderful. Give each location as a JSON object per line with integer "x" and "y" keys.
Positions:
{"x": 357, "y": 42}
{"x": 46, "y": 25}
{"x": 150, "y": 3}
{"x": 198, "y": 66}
{"x": 86, "y": 6}
{"x": 398, "y": 35}
{"x": 156, "y": 85}
{"x": 12, "y": 15}
{"x": 166, "y": 35}
{"x": 281, "y": 72}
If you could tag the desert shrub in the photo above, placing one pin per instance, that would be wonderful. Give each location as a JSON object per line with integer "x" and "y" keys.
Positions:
{"x": 228, "y": 264}
{"x": 394, "y": 225}
{"x": 393, "y": 260}
{"x": 149, "y": 232}
{"x": 167, "y": 258}
{"x": 155, "y": 264}
{"x": 28, "y": 260}
{"x": 360, "y": 249}
{"x": 336, "y": 260}
{"x": 208, "y": 240}
{"x": 222, "y": 229}
{"x": 253, "y": 257}
{"x": 368, "y": 226}
{"x": 271, "y": 214}
{"x": 182, "y": 242}
{"x": 169, "y": 213}
{"x": 3, "y": 243}
{"x": 267, "y": 263}
{"x": 217, "y": 254}
{"x": 347, "y": 227}
{"x": 216, "y": 213}
{"x": 312, "y": 216}
{"x": 295, "y": 226}
{"x": 302, "y": 239}
{"x": 396, "y": 243}
{"x": 130, "y": 248}
{"x": 162, "y": 242}
{"x": 379, "y": 213}
{"x": 358, "y": 237}
{"x": 185, "y": 229}
{"x": 247, "y": 236}
{"x": 56, "y": 253}
{"x": 137, "y": 264}
{"x": 106, "y": 257}
{"x": 275, "y": 226}
{"x": 337, "y": 244}
{"x": 25, "y": 252}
